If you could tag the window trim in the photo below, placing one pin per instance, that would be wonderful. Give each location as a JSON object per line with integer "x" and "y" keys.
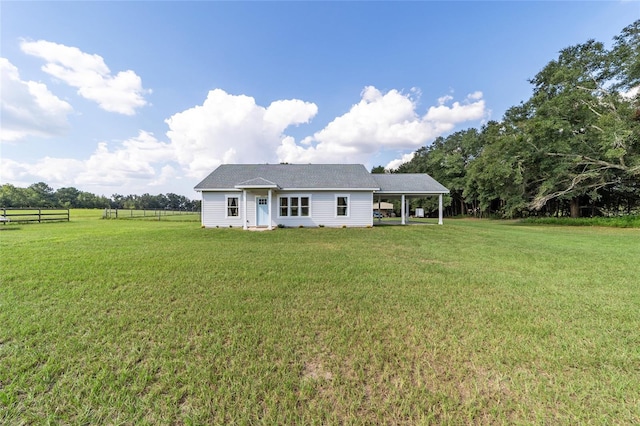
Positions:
{"x": 348, "y": 206}
{"x": 298, "y": 206}
{"x": 227, "y": 206}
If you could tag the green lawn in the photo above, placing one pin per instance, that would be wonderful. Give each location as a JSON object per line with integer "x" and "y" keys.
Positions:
{"x": 162, "y": 322}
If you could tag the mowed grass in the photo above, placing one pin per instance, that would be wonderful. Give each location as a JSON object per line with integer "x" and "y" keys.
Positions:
{"x": 473, "y": 322}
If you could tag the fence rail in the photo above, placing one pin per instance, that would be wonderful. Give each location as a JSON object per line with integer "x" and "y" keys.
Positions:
{"x": 33, "y": 215}
{"x": 145, "y": 213}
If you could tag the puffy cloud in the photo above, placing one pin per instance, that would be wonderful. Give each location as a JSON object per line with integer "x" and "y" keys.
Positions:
{"x": 122, "y": 93}
{"x": 381, "y": 122}
{"x": 133, "y": 161}
{"x": 394, "y": 164}
{"x": 136, "y": 163}
{"x": 28, "y": 108}
{"x": 232, "y": 128}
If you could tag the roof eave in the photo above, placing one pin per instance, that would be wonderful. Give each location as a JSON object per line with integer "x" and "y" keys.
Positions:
{"x": 412, "y": 192}
{"x": 217, "y": 190}
{"x": 329, "y": 189}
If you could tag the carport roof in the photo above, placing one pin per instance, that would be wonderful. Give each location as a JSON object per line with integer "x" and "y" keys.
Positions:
{"x": 408, "y": 184}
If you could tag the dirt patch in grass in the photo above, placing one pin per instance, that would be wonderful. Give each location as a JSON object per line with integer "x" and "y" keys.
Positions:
{"x": 314, "y": 370}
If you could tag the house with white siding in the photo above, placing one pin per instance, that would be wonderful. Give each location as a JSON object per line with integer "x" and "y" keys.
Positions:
{"x": 307, "y": 195}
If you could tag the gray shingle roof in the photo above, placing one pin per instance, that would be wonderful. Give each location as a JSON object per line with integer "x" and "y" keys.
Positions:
{"x": 289, "y": 176}
{"x": 408, "y": 183}
{"x": 317, "y": 176}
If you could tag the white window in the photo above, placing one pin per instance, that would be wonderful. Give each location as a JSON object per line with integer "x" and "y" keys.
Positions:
{"x": 233, "y": 207}
{"x": 284, "y": 206}
{"x": 294, "y": 206}
{"x": 304, "y": 206}
{"x": 342, "y": 205}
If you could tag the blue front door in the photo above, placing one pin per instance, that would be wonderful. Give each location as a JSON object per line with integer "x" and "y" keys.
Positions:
{"x": 262, "y": 213}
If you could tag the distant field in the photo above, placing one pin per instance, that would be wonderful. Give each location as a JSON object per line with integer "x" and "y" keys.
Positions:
{"x": 473, "y": 322}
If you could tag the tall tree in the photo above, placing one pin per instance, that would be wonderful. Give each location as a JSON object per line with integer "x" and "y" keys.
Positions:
{"x": 40, "y": 195}
{"x": 584, "y": 126}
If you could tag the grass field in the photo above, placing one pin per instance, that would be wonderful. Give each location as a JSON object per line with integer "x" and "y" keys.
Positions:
{"x": 473, "y": 322}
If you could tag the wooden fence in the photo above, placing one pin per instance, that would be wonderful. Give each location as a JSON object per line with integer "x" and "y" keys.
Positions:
{"x": 140, "y": 214}
{"x": 33, "y": 215}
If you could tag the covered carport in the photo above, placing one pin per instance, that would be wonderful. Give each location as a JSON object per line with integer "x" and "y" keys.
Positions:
{"x": 405, "y": 186}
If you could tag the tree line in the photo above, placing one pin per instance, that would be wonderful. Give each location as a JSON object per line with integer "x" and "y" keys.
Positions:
{"x": 42, "y": 195}
{"x": 572, "y": 149}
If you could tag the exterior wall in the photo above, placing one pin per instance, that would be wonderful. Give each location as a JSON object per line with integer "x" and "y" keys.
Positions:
{"x": 214, "y": 207}
{"x": 322, "y": 209}
{"x": 252, "y": 205}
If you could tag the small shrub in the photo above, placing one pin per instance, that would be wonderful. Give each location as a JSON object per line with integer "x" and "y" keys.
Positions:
{"x": 280, "y": 225}
{"x": 300, "y": 226}
{"x": 321, "y": 226}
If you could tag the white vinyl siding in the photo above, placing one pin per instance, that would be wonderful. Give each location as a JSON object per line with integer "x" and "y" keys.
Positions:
{"x": 322, "y": 209}
{"x": 214, "y": 209}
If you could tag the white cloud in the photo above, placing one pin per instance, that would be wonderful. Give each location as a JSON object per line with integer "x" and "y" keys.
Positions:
{"x": 232, "y": 128}
{"x": 381, "y": 122}
{"x": 28, "y": 108}
{"x": 134, "y": 164}
{"x": 133, "y": 161}
{"x": 122, "y": 93}
{"x": 444, "y": 99}
{"x": 394, "y": 164}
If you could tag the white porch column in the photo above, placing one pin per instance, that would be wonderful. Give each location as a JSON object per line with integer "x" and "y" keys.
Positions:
{"x": 244, "y": 209}
{"x": 269, "y": 204}
{"x": 440, "y": 209}
{"x": 403, "y": 209}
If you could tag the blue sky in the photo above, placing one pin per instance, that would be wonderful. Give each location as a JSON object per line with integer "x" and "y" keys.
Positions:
{"x": 135, "y": 97}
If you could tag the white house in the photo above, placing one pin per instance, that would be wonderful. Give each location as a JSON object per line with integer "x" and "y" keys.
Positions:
{"x": 293, "y": 195}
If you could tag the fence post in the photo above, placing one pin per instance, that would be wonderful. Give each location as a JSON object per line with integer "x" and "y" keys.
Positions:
{"x": 39, "y": 215}
{"x": 68, "y": 215}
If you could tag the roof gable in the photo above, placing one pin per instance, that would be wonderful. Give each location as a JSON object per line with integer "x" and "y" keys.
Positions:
{"x": 256, "y": 183}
